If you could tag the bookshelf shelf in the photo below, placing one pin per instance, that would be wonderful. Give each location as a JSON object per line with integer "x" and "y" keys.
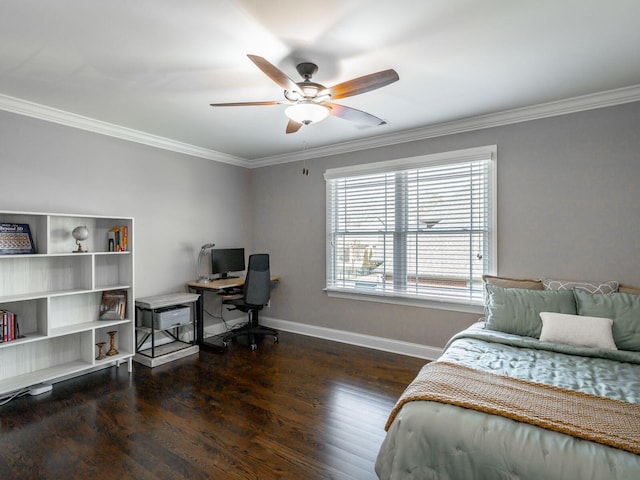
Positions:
{"x": 55, "y": 295}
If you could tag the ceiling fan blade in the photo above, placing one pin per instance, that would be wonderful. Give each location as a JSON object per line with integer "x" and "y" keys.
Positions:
{"x": 275, "y": 74}
{"x": 245, "y": 104}
{"x": 293, "y": 127}
{"x": 363, "y": 84}
{"x": 353, "y": 115}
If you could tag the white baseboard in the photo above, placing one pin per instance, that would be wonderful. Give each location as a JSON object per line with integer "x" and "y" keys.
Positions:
{"x": 369, "y": 341}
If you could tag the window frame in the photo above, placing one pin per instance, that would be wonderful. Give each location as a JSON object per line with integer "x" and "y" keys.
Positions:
{"x": 488, "y": 153}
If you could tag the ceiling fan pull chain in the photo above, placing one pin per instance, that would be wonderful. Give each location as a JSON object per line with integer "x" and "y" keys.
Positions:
{"x": 305, "y": 162}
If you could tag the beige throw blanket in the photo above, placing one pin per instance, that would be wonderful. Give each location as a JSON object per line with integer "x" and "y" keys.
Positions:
{"x": 589, "y": 417}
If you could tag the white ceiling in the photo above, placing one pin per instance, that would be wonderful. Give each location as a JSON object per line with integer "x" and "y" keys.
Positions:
{"x": 153, "y": 66}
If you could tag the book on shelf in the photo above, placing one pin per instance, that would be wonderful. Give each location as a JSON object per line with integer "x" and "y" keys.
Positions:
{"x": 9, "y": 328}
{"x": 118, "y": 239}
{"x": 113, "y": 305}
{"x": 15, "y": 239}
{"x": 4, "y": 333}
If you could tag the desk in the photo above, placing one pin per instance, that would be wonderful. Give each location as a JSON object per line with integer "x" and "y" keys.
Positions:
{"x": 215, "y": 286}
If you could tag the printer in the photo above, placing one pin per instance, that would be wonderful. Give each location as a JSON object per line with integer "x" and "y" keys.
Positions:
{"x": 167, "y": 317}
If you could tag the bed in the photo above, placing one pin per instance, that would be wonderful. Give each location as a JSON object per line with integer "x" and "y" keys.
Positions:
{"x": 547, "y": 386}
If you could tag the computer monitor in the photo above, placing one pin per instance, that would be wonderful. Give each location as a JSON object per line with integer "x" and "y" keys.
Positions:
{"x": 226, "y": 260}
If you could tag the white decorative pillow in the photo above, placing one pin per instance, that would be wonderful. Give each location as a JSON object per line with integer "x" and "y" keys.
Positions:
{"x": 591, "y": 287}
{"x": 577, "y": 330}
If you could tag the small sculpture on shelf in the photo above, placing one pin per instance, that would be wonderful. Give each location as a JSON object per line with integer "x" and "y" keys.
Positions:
{"x": 100, "y": 345}
{"x": 80, "y": 234}
{"x": 112, "y": 344}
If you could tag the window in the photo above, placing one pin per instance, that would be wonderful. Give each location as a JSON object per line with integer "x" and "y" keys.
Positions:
{"x": 421, "y": 228}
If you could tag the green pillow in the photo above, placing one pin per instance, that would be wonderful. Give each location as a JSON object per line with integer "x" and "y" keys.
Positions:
{"x": 517, "y": 311}
{"x": 623, "y": 308}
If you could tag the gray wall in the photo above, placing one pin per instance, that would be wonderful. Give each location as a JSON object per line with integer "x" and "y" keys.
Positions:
{"x": 178, "y": 202}
{"x": 568, "y": 207}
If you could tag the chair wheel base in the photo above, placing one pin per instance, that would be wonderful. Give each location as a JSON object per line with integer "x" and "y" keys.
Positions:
{"x": 252, "y": 331}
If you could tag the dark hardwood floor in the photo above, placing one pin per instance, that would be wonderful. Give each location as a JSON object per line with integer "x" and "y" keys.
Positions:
{"x": 304, "y": 408}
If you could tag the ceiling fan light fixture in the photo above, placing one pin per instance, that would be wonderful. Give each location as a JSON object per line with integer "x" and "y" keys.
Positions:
{"x": 293, "y": 96}
{"x": 322, "y": 97}
{"x": 307, "y": 112}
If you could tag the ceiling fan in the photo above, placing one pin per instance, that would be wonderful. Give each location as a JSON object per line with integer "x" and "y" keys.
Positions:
{"x": 309, "y": 102}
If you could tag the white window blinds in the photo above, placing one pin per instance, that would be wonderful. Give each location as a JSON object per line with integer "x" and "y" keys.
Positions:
{"x": 422, "y": 227}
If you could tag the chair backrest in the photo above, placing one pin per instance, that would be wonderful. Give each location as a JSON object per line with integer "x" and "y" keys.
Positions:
{"x": 257, "y": 284}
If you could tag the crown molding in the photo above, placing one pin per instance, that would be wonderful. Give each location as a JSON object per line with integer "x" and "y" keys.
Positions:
{"x": 49, "y": 114}
{"x": 524, "y": 114}
{"x": 551, "y": 109}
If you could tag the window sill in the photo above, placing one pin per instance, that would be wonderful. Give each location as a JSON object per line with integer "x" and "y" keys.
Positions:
{"x": 455, "y": 306}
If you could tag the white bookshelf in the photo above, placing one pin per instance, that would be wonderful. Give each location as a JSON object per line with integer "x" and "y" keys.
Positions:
{"x": 56, "y": 295}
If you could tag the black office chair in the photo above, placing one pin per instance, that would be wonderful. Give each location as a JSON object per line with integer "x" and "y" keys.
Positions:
{"x": 256, "y": 293}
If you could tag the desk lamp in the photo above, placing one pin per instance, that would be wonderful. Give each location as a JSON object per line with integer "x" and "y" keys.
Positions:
{"x": 204, "y": 249}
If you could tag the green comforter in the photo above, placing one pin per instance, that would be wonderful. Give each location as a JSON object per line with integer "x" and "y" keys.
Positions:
{"x": 430, "y": 440}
